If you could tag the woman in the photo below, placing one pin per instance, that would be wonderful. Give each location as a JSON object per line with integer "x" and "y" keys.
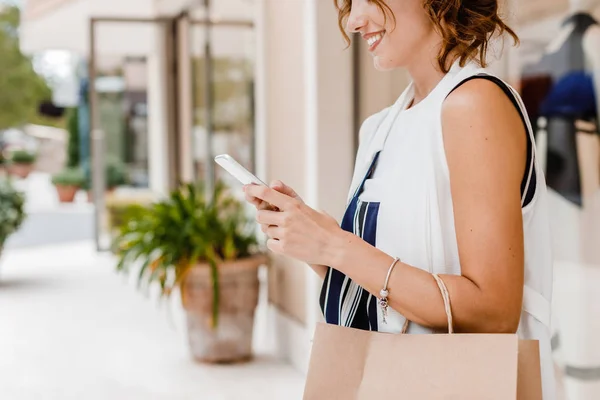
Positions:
{"x": 445, "y": 182}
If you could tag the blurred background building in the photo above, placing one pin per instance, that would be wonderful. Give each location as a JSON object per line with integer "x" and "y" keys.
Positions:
{"x": 156, "y": 88}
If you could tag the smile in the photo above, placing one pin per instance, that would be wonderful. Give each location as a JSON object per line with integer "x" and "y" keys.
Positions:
{"x": 374, "y": 40}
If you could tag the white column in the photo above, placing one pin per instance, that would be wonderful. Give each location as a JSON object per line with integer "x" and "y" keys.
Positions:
{"x": 157, "y": 116}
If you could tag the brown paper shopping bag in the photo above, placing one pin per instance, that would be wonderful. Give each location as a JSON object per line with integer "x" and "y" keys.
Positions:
{"x": 348, "y": 364}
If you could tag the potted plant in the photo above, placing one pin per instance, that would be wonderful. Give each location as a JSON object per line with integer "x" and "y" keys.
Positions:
{"x": 12, "y": 210}
{"x": 21, "y": 163}
{"x": 207, "y": 249}
{"x": 67, "y": 183}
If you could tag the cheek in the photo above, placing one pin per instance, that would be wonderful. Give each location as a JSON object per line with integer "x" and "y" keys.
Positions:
{"x": 403, "y": 42}
{"x": 396, "y": 50}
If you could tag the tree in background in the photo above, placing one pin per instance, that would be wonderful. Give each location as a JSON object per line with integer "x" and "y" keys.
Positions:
{"x": 73, "y": 157}
{"x": 21, "y": 88}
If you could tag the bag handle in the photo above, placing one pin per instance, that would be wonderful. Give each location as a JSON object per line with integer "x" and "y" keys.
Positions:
{"x": 447, "y": 308}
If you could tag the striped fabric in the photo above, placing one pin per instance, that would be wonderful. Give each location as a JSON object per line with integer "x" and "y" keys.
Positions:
{"x": 343, "y": 302}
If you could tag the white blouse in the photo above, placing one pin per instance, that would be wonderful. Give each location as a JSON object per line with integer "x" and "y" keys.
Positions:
{"x": 415, "y": 220}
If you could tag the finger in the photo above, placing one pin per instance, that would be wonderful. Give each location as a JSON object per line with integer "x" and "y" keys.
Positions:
{"x": 277, "y": 185}
{"x": 275, "y": 246}
{"x": 268, "y": 217}
{"x": 269, "y": 195}
{"x": 254, "y": 201}
{"x": 265, "y": 206}
{"x": 283, "y": 188}
{"x": 274, "y": 232}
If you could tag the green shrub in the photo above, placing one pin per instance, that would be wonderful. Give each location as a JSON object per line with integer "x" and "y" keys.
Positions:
{"x": 173, "y": 235}
{"x": 12, "y": 210}
{"x": 22, "y": 157}
{"x": 69, "y": 177}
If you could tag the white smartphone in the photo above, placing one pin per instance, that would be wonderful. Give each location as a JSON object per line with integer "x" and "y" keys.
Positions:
{"x": 237, "y": 170}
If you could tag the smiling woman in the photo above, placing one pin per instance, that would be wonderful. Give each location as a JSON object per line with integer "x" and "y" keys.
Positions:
{"x": 466, "y": 27}
{"x": 446, "y": 182}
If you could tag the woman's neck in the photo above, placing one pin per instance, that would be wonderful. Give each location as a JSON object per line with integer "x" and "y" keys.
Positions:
{"x": 426, "y": 75}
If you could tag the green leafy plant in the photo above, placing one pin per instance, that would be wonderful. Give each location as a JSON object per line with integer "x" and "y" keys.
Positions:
{"x": 22, "y": 157}
{"x": 69, "y": 177}
{"x": 12, "y": 210}
{"x": 171, "y": 236}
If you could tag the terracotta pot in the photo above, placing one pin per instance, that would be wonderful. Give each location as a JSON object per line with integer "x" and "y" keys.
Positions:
{"x": 231, "y": 340}
{"x": 66, "y": 193}
{"x": 21, "y": 170}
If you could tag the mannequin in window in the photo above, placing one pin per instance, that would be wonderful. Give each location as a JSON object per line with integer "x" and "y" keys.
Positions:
{"x": 560, "y": 92}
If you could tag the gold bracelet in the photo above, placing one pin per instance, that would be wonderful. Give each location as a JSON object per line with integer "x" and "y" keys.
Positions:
{"x": 384, "y": 293}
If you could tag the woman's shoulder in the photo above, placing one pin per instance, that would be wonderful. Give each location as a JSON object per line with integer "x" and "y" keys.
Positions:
{"x": 481, "y": 95}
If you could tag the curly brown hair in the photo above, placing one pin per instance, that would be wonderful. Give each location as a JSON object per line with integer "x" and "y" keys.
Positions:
{"x": 466, "y": 26}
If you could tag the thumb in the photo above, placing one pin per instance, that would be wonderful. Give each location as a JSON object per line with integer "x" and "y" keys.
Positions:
{"x": 281, "y": 187}
{"x": 285, "y": 189}
{"x": 276, "y": 184}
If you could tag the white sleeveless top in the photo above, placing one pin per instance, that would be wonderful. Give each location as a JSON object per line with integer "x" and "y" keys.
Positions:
{"x": 416, "y": 220}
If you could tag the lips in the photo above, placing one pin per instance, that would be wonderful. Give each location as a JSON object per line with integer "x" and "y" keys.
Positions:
{"x": 374, "y": 39}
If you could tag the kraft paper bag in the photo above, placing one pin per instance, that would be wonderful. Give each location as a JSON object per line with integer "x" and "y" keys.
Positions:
{"x": 348, "y": 364}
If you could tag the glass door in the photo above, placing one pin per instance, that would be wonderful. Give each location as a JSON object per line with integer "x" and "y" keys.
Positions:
{"x": 223, "y": 57}
{"x": 131, "y": 115}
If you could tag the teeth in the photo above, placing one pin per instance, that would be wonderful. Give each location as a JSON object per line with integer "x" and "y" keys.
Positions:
{"x": 373, "y": 39}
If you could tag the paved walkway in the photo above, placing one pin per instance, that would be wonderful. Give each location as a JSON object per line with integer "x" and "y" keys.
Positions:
{"x": 71, "y": 329}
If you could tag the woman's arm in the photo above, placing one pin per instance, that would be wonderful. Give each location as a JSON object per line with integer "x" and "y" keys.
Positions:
{"x": 485, "y": 143}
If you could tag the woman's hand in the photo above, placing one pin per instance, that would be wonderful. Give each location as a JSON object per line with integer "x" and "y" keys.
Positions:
{"x": 275, "y": 185}
{"x": 296, "y": 230}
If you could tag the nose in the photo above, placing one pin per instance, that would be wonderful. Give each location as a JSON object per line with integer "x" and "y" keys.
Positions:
{"x": 357, "y": 20}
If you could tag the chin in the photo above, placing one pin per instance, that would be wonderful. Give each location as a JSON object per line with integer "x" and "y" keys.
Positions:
{"x": 384, "y": 64}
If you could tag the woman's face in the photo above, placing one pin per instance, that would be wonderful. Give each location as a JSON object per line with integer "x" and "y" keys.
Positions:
{"x": 393, "y": 43}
